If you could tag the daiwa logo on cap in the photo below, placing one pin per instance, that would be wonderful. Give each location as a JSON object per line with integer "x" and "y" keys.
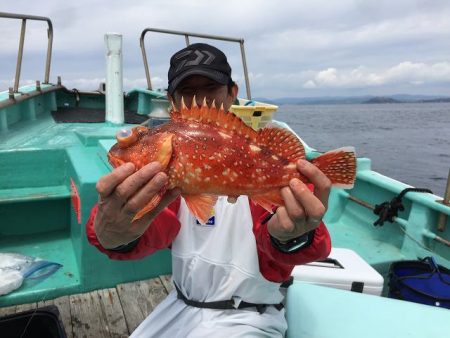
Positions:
{"x": 200, "y": 56}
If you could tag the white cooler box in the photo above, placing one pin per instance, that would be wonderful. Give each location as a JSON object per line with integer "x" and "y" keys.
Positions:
{"x": 343, "y": 269}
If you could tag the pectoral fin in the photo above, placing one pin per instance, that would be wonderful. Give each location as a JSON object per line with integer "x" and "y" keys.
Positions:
{"x": 164, "y": 149}
{"x": 150, "y": 205}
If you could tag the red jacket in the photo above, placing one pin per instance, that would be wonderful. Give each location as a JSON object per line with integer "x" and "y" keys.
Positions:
{"x": 274, "y": 265}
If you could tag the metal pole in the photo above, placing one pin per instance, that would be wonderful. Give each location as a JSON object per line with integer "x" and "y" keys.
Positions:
{"x": 49, "y": 51}
{"x": 446, "y": 201}
{"x": 19, "y": 56}
{"x": 144, "y": 56}
{"x": 21, "y": 43}
{"x": 244, "y": 64}
{"x": 361, "y": 202}
{"x": 186, "y": 36}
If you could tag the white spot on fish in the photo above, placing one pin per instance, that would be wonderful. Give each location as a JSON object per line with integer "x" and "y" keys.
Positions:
{"x": 225, "y": 136}
{"x": 275, "y": 157}
{"x": 290, "y": 166}
{"x": 254, "y": 148}
{"x": 226, "y": 172}
{"x": 198, "y": 171}
{"x": 207, "y": 179}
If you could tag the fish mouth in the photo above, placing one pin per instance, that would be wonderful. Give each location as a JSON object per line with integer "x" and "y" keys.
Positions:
{"x": 115, "y": 161}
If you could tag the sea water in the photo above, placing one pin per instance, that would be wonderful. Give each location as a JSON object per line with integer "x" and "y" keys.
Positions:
{"x": 409, "y": 142}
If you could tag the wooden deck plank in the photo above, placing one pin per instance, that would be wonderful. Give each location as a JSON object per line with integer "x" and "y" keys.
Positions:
{"x": 156, "y": 291}
{"x": 108, "y": 312}
{"x": 4, "y": 311}
{"x": 113, "y": 312}
{"x": 63, "y": 304}
{"x": 133, "y": 303}
{"x": 167, "y": 282}
{"x": 139, "y": 299}
{"x": 25, "y": 307}
{"x": 87, "y": 316}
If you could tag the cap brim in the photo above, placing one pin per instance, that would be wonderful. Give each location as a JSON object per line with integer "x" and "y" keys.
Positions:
{"x": 209, "y": 73}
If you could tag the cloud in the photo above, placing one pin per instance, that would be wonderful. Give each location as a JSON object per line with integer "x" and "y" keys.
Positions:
{"x": 405, "y": 72}
{"x": 299, "y": 45}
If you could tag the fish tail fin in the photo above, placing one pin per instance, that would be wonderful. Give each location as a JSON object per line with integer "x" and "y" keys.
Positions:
{"x": 339, "y": 166}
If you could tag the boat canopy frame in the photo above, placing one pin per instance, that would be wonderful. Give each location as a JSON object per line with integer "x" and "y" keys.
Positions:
{"x": 24, "y": 19}
{"x": 198, "y": 35}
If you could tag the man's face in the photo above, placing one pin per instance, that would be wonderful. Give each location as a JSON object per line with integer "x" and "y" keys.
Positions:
{"x": 203, "y": 87}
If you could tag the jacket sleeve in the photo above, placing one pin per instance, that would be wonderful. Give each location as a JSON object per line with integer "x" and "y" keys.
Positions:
{"x": 277, "y": 266}
{"x": 159, "y": 234}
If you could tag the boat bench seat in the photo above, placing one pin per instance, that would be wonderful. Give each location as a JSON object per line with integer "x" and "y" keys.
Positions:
{"x": 320, "y": 312}
{"x": 34, "y": 193}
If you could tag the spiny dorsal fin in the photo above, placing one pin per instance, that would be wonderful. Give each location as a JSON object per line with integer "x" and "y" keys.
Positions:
{"x": 281, "y": 142}
{"x": 216, "y": 117}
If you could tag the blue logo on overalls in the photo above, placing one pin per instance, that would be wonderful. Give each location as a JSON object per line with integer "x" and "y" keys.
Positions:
{"x": 210, "y": 222}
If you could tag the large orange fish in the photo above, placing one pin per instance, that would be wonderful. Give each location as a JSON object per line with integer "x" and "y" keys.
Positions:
{"x": 207, "y": 152}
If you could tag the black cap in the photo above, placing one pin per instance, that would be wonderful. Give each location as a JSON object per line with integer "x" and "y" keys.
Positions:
{"x": 198, "y": 59}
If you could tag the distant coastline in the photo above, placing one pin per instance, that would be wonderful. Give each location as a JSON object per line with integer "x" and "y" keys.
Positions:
{"x": 367, "y": 99}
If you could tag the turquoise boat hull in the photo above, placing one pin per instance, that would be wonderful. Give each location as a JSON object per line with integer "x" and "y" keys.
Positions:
{"x": 45, "y": 164}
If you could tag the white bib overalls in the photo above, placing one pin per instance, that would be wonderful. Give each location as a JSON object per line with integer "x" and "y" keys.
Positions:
{"x": 214, "y": 262}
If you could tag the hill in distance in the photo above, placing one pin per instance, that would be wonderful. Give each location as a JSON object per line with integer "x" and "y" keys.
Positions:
{"x": 397, "y": 98}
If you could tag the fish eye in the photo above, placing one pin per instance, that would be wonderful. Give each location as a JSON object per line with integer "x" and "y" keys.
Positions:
{"x": 124, "y": 133}
{"x": 126, "y": 137}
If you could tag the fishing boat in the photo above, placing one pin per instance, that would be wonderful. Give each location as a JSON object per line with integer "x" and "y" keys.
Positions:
{"x": 53, "y": 147}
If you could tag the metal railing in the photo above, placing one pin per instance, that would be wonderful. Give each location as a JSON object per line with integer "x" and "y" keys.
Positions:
{"x": 186, "y": 36}
{"x": 24, "y": 19}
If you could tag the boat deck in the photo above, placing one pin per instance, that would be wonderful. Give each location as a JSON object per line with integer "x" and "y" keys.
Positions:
{"x": 114, "y": 312}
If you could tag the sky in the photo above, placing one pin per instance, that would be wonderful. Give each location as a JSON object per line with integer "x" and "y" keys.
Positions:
{"x": 294, "y": 48}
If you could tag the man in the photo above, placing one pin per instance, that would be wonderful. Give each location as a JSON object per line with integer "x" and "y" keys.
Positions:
{"x": 227, "y": 274}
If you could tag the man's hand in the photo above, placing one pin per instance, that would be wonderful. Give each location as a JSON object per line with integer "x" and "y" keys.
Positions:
{"x": 122, "y": 193}
{"x": 304, "y": 209}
